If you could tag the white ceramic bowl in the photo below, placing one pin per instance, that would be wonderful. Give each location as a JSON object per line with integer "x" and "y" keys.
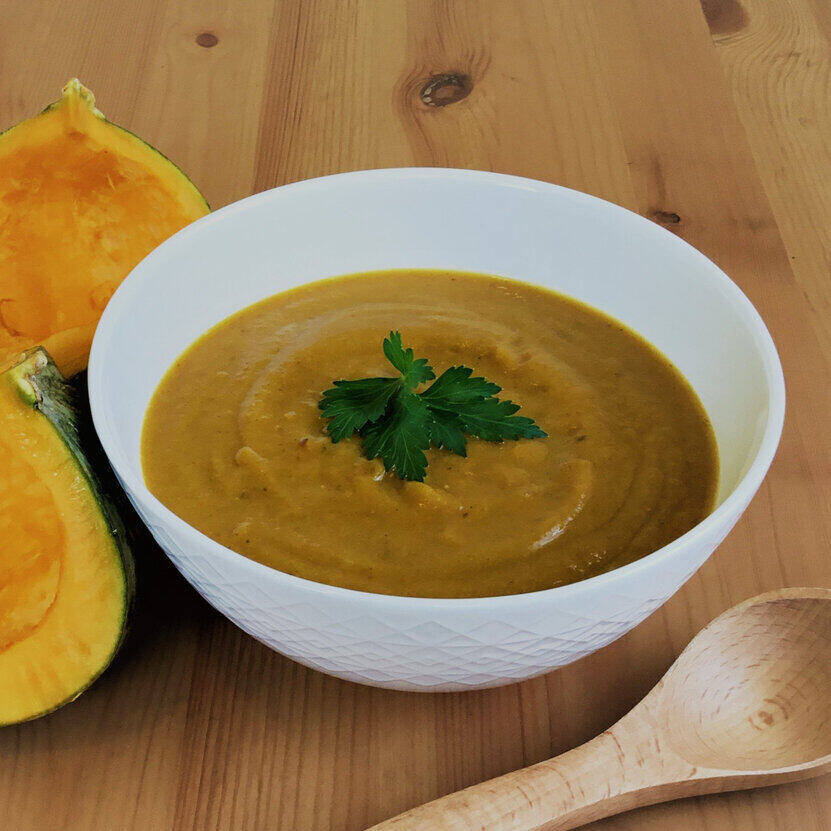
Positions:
{"x": 454, "y": 219}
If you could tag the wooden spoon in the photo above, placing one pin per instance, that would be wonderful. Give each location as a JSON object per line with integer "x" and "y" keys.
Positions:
{"x": 747, "y": 703}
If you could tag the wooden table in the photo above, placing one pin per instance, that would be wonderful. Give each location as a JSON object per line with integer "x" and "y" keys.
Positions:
{"x": 712, "y": 121}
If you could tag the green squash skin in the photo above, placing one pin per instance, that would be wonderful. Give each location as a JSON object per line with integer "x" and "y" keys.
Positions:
{"x": 41, "y": 386}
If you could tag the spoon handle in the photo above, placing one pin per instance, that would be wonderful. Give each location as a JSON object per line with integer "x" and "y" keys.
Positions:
{"x": 621, "y": 769}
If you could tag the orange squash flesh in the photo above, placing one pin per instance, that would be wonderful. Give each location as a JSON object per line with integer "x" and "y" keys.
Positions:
{"x": 82, "y": 201}
{"x": 65, "y": 571}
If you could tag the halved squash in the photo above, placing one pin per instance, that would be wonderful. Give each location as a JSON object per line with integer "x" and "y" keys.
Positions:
{"x": 66, "y": 573}
{"x": 81, "y": 202}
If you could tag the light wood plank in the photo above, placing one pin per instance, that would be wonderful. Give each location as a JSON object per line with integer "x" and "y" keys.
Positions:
{"x": 777, "y": 59}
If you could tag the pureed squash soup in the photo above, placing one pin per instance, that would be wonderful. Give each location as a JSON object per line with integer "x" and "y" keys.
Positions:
{"x": 235, "y": 444}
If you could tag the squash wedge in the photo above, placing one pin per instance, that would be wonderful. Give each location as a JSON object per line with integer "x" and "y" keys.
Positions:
{"x": 82, "y": 201}
{"x": 66, "y": 573}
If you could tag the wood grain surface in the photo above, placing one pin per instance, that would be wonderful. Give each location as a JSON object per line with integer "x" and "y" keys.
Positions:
{"x": 711, "y": 118}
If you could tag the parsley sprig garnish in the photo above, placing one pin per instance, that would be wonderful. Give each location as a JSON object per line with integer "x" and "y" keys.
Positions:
{"x": 397, "y": 424}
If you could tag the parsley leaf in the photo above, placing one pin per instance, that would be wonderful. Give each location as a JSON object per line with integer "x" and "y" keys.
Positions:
{"x": 455, "y": 386}
{"x": 446, "y": 430}
{"x": 398, "y": 424}
{"x": 413, "y": 372}
{"x": 401, "y": 437}
{"x": 349, "y": 405}
{"x": 472, "y": 403}
{"x": 494, "y": 420}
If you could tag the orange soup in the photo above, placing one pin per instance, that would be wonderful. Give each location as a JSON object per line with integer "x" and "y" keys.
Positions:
{"x": 234, "y": 442}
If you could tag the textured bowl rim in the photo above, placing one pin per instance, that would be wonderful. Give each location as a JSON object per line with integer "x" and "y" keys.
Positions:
{"x": 604, "y": 583}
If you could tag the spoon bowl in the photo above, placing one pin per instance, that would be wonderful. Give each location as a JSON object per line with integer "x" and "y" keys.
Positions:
{"x": 753, "y": 690}
{"x": 746, "y": 704}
